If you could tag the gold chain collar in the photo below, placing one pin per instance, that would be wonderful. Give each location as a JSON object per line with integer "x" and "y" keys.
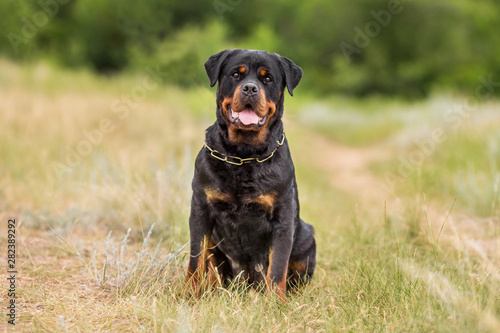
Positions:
{"x": 235, "y": 160}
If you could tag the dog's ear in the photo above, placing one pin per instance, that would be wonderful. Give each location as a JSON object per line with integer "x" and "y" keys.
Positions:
{"x": 292, "y": 73}
{"x": 213, "y": 65}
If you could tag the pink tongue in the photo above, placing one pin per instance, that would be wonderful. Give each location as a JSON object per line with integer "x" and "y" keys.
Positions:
{"x": 248, "y": 116}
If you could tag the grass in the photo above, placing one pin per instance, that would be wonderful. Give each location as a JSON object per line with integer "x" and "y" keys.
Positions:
{"x": 465, "y": 166}
{"x": 347, "y": 123}
{"x": 100, "y": 246}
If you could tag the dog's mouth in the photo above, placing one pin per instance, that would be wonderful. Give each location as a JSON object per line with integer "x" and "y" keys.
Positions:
{"x": 246, "y": 116}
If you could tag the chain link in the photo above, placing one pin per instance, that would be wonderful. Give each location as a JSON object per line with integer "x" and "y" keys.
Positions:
{"x": 235, "y": 160}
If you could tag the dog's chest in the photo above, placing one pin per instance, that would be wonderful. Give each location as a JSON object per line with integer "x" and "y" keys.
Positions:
{"x": 242, "y": 193}
{"x": 240, "y": 204}
{"x": 243, "y": 220}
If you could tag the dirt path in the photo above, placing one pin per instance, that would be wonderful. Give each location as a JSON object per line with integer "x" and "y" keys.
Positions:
{"x": 348, "y": 169}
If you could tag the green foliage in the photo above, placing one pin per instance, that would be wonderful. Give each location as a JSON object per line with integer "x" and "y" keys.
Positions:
{"x": 12, "y": 41}
{"x": 182, "y": 56}
{"x": 386, "y": 47}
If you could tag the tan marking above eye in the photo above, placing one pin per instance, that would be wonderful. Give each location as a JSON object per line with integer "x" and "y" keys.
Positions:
{"x": 263, "y": 72}
{"x": 242, "y": 69}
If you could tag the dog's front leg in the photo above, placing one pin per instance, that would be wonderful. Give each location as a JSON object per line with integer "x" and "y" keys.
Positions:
{"x": 201, "y": 269}
{"x": 279, "y": 255}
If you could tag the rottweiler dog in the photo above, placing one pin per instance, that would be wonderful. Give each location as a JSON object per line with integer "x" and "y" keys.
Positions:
{"x": 244, "y": 221}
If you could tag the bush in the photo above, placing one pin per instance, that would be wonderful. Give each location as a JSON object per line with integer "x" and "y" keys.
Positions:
{"x": 344, "y": 47}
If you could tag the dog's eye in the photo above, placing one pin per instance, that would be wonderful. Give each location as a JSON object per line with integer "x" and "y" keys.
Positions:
{"x": 267, "y": 79}
{"x": 236, "y": 75}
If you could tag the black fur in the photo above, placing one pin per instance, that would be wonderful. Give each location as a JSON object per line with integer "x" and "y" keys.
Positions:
{"x": 248, "y": 210}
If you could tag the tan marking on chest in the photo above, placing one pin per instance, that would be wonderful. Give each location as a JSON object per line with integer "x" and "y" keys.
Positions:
{"x": 214, "y": 195}
{"x": 267, "y": 200}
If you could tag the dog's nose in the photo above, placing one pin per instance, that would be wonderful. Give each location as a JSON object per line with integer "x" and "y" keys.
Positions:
{"x": 250, "y": 89}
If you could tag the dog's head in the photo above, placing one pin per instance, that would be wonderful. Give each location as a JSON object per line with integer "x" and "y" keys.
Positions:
{"x": 250, "y": 91}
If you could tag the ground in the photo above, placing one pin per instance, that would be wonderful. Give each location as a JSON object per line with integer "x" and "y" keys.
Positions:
{"x": 96, "y": 172}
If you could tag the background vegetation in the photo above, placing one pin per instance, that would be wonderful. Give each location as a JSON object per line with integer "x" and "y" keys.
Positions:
{"x": 396, "y": 149}
{"x": 407, "y": 48}
{"x": 101, "y": 245}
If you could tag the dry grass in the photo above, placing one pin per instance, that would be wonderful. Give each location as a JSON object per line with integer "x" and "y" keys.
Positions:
{"x": 389, "y": 258}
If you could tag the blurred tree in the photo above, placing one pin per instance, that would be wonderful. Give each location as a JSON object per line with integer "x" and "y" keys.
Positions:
{"x": 17, "y": 28}
{"x": 364, "y": 47}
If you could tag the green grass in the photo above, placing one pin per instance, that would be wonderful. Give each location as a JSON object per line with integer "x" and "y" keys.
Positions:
{"x": 356, "y": 125}
{"x": 465, "y": 166}
{"x": 90, "y": 260}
